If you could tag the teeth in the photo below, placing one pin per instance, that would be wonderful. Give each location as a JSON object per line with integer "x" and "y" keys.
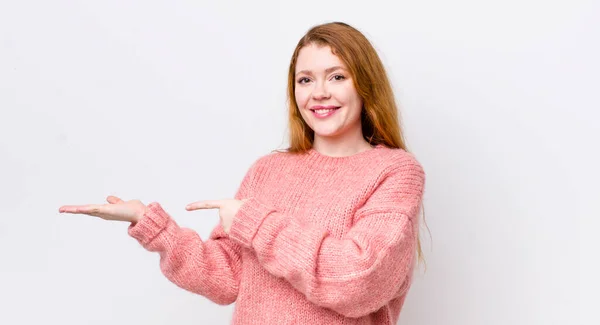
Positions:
{"x": 323, "y": 111}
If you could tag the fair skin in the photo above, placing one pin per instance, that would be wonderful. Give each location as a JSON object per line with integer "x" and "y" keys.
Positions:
{"x": 322, "y": 82}
{"x": 133, "y": 210}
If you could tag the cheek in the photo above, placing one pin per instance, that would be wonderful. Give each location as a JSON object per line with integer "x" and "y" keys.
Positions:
{"x": 350, "y": 97}
{"x": 302, "y": 96}
{"x": 358, "y": 102}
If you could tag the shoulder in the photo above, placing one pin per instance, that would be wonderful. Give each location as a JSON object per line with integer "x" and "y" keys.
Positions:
{"x": 266, "y": 161}
{"x": 397, "y": 160}
{"x": 401, "y": 169}
{"x": 398, "y": 181}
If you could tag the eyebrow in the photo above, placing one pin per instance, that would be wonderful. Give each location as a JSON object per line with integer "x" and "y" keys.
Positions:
{"x": 328, "y": 70}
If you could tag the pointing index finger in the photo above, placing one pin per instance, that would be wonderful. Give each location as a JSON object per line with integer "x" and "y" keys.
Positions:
{"x": 215, "y": 204}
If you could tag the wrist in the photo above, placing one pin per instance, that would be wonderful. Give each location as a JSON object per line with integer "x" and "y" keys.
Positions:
{"x": 141, "y": 211}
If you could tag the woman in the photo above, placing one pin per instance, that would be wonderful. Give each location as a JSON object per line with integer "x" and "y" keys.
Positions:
{"x": 325, "y": 232}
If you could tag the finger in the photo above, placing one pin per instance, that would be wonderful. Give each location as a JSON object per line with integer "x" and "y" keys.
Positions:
{"x": 215, "y": 204}
{"x": 113, "y": 199}
{"x": 80, "y": 209}
{"x": 69, "y": 208}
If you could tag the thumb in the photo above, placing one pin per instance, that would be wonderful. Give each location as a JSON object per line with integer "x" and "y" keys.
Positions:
{"x": 113, "y": 199}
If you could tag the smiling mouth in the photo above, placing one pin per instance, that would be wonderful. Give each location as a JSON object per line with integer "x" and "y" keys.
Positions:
{"x": 324, "y": 110}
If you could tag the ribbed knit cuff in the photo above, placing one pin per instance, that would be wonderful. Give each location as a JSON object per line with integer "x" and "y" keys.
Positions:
{"x": 155, "y": 219}
{"x": 247, "y": 221}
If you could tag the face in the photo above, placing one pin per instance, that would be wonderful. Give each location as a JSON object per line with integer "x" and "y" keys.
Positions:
{"x": 325, "y": 93}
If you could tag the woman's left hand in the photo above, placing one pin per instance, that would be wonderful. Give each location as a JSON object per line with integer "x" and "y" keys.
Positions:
{"x": 227, "y": 209}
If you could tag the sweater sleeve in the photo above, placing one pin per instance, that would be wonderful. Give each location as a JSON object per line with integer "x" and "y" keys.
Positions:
{"x": 210, "y": 268}
{"x": 354, "y": 275}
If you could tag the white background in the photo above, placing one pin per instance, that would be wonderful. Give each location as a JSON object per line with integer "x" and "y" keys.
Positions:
{"x": 171, "y": 101}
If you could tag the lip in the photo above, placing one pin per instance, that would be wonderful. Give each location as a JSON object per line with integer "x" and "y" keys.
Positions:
{"x": 316, "y": 107}
{"x": 333, "y": 110}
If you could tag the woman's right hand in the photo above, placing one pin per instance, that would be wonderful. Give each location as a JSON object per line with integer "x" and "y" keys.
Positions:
{"x": 117, "y": 209}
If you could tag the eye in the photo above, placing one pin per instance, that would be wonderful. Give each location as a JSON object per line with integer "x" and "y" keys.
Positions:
{"x": 339, "y": 77}
{"x": 303, "y": 80}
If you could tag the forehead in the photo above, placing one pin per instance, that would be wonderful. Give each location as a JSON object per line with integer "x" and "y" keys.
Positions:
{"x": 317, "y": 58}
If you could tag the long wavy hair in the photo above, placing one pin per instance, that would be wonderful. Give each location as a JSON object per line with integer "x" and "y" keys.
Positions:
{"x": 380, "y": 118}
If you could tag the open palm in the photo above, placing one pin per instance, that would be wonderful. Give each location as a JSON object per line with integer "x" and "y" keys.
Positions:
{"x": 117, "y": 209}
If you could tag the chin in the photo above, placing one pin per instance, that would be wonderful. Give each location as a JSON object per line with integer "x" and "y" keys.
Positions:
{"x": 327, "y": 133}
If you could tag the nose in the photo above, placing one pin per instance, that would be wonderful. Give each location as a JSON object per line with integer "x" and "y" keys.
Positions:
{"x": 320, "y": 91}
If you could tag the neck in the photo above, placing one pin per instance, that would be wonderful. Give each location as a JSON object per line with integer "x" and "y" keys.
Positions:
{"x": 341, "y": 146}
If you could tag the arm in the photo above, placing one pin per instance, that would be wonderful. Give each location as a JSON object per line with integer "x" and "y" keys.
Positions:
{"x": 355, "y": 275}
{"x": 210, "y": 268}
